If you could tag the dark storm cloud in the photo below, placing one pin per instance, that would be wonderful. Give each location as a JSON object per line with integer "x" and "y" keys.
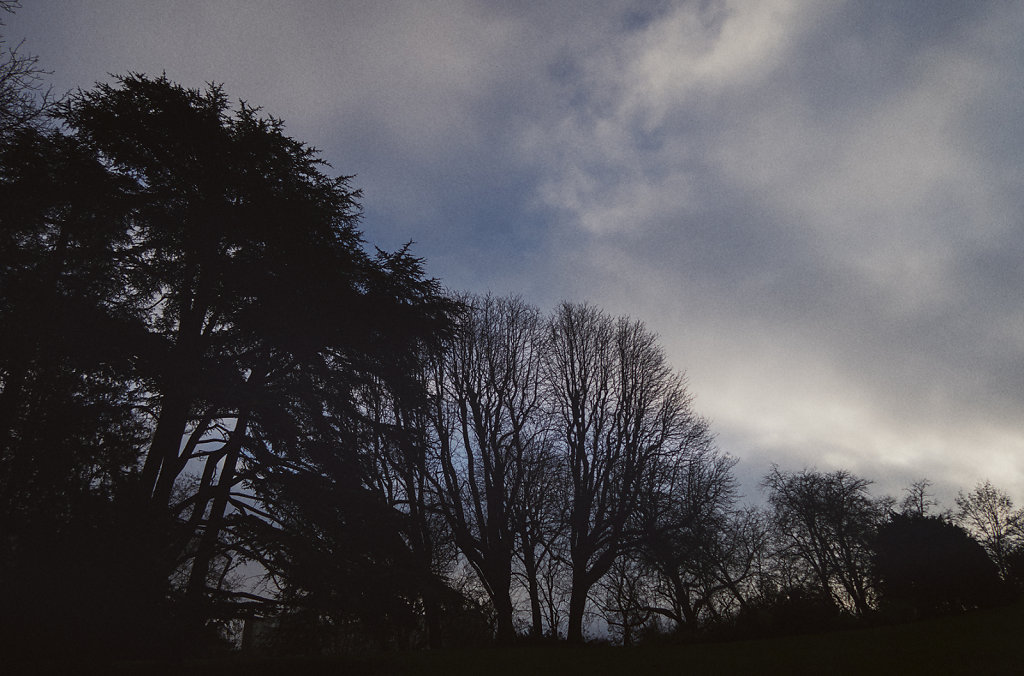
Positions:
{"x": 817, "y": 205}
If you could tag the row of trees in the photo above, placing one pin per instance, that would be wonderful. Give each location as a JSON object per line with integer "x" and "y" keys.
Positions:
{"x": 216, "y": 403}
{"x": 822, "y": 552}
{"x": 202, "y": 367}
{"x": 561, "y": 443}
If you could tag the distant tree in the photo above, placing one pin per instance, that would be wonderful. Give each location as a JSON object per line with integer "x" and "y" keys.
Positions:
{"x": 538, "y": 516}
{"x": 740, "y": 560}
{"x": 1015, "y": 567}
{"x": 928, "y": 566}
{"x": 25, "y": 101}
{"x": 790, "y": 608}
{"x": 917, "y": 500}
{"x": 990, "y": 515}
{"x": 623, "y": 598}
{"x": 684, "y": 517}
{"x": 826, "y": 522}
{"x": 620, "y": 412}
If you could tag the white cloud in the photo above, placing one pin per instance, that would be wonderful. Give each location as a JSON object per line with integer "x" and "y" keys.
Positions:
{"x": 818, "y": 209}
{"x": 698, "y": 51}
{"x": 595, "y": 170}
{"x": 873, "y": 365}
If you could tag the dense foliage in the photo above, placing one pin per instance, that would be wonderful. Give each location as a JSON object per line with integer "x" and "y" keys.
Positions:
{"x": 189, "y": 317}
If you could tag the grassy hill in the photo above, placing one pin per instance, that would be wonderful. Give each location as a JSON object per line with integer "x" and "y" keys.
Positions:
{"x": 984, "y": 642}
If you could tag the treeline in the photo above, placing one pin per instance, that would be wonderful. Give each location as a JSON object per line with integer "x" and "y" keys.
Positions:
{"x": 216, "y": 404}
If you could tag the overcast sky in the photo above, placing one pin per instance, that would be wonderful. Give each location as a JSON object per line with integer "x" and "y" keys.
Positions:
{"x": 818, "y": 206}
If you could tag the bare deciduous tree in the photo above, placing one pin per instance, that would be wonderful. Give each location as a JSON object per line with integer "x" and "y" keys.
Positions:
{"x": 989, "y": 515}
{"x": 24, "y": 99}
{"x": 491, "y": 384}
{"x": 917, "y": 500}
{"x": 825, "y": 521}
{"x": 620, "y": 410}
{"x": 538, "y": 518}
{"x": 683, "y": 518}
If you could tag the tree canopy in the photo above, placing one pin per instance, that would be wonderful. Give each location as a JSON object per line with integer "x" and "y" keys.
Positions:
{"x": 189, "y": 310}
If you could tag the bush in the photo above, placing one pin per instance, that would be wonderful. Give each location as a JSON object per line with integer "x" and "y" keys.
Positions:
{"x": 925, "y": 566}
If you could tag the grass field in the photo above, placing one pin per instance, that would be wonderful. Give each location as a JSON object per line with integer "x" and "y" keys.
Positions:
{"x": 984, "y": 642}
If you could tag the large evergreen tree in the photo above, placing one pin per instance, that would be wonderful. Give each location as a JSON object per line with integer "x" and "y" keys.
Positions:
{"x": 189, "y": 314}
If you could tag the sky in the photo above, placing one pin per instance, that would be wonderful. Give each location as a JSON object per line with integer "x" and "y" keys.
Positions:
{"x": 816, "y": 204}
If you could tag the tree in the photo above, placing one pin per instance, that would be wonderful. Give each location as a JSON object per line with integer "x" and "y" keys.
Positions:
{"x": 61, "y": 362}
{"x": 684, "y": 516}
{"x": 67, "y": 392}
{"x": 624, "y": 599}
{"x": 990, "y": 515}
{"x": 402, "y": 469}
{"x": 248, "y": 269}
{"x": 213, "y": 270}
{"x": 917, "y": 501}
{"x": 826, "y": 521}
{"x": 189, "y": 267}
{"x": 71, "y": 429}
{"x": 929, "y": 566}
{"x": 538, "y": 516}
{"x": 491, "y": 385}
{"x": 24, "y": 102}
{"x": 619, "y": 411}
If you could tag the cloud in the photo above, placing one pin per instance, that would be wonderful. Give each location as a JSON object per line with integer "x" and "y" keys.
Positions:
{"x": 817, "y": 246}
{"x": 817, "y": 205}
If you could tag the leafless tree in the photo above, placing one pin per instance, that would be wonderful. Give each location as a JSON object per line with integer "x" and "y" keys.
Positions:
{"x": 538, "y": 518}
{"x": 825, "y": 522}
{"x": 624, "y": 598}
{"x": 741, "y": 559}
{"x": 683, "y": 516}
{"x": 619, "y": 410}
{"x": 917, "y": 499}
{"x": 989, "y": 514}
{"x": 25, "y": 101}
{"x": 494, "y": 443}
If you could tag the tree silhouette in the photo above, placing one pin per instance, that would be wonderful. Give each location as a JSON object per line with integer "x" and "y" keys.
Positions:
{"x": 187, "y": 294}
{"x": 71, "y": 429}
{"x": 825, "y": 521}
{"x": 685, "y": 517}
{"x": 990, "y": 515}
{"x": 620, "y": 412}
{"x": 918, "y": 501}
{"x": 491, "y": 383}
{"x": 25, "y": 102}
{"x": 929, "y": 566}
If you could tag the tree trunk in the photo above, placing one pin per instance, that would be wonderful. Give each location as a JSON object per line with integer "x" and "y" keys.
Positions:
{"x": 506, "y": 629}
{"x": 208, "y": 543}
{"x": 163, "y": 450}
{"x": 202, "y": 498}
{"x": 530, "y": 564}
{"x": 577, "y": 605}
{"x": 499, "y": 581}
{"x": 432, "y": 616}
{"x": 162, "y": 462}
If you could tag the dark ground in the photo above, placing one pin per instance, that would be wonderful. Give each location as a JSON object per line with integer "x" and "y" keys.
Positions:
{"x": 983, "y": 642}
